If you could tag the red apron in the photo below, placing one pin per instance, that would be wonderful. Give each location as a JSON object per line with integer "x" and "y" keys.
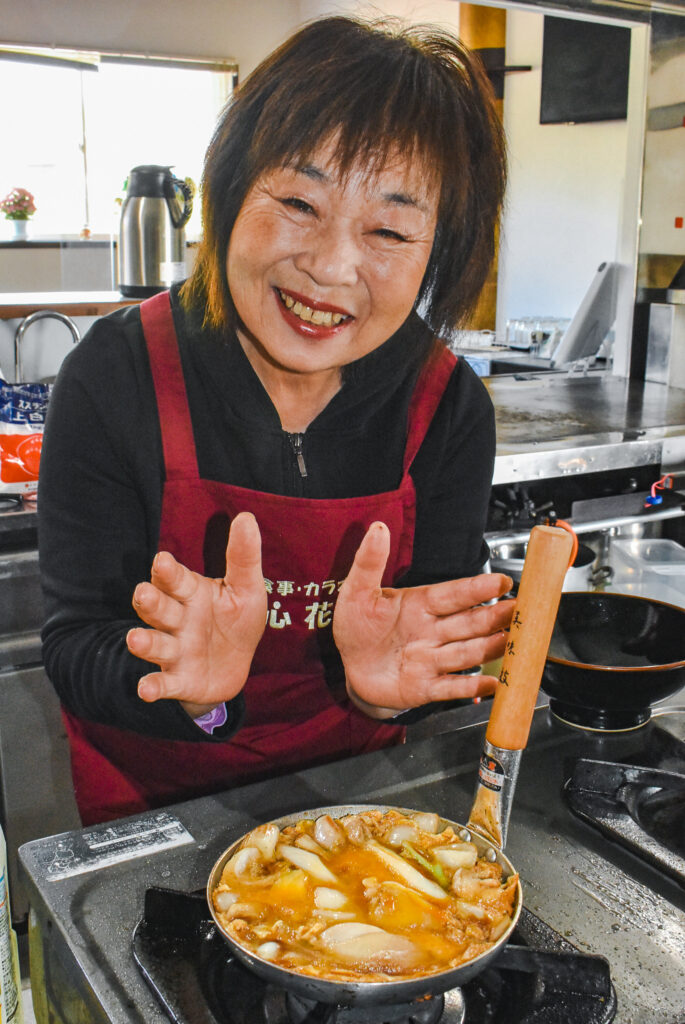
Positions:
{"x": 293, "y": 719}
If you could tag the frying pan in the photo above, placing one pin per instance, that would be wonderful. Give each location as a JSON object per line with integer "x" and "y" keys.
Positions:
{"x": 367, "y": 993}
{"x": 506, "y": 736}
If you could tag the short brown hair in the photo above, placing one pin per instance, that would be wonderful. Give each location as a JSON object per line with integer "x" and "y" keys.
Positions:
{"x": 379, "y": 89}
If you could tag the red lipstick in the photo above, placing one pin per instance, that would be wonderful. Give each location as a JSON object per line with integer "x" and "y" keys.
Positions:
{"x": 305, "y": 328}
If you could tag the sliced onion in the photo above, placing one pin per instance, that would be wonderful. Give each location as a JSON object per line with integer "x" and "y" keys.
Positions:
{"x": 309, "y": 862}
{"x": 353, "y": 940}
{"x": 330, "y": 899}
{"x": 402, "y": 834}
{"x": 328, "y": 833}
{"x": 268, "y": 950}
{"x": 224, "y": 900}
{"x": 264, "y": 838}
{"x": 245, "y": 860}
{"x": 307, "y": 843}
{"x": 464, "y": 855}
{"x": 407, "y": 873}
{"x": 427, "y": 821}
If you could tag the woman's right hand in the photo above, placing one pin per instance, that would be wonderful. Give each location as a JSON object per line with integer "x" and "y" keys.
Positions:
{"x": 204, "y": 631}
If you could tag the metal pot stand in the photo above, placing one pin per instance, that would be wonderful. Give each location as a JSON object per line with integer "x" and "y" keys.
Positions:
{"x": 641, "y": 808}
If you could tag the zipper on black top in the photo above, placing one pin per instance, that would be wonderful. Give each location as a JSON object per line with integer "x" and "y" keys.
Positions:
{"x": 296, "y": 445}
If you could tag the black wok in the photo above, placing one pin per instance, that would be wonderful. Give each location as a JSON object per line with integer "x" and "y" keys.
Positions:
{"x": 367, "y": 993}
{"x": 611, "y": 657}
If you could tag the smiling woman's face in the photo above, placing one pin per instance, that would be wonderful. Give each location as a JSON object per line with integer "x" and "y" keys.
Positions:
{"x": 323, "y": 271}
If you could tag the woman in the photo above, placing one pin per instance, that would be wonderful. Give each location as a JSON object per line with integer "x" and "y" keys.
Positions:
{"x": 290, "y": 391}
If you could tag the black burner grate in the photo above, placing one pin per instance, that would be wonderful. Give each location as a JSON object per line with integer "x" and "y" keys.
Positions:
{"x": 639, "y": 802}
{"x": 539, "y": 978}
{"x": 304, "y": 1011}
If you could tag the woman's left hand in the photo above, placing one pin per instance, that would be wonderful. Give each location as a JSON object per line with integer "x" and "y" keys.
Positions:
{"x": 400, "y": 647}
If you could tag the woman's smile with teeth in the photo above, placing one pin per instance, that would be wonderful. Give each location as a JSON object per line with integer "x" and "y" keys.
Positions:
{"x": 326, "y": 318}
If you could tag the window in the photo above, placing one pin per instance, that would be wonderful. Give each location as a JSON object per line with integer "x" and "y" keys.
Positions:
{"x": 79, "y": 123}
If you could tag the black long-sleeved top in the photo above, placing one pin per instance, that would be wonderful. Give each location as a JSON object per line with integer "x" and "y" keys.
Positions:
{"x": 102, "y": 476}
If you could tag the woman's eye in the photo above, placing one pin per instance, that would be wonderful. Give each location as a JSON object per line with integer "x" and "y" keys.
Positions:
{"x": 297, "y": 204}
{"x": 389, "y": 233}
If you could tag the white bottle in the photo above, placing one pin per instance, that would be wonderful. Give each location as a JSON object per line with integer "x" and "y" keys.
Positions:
{"x": 10, "y": 982}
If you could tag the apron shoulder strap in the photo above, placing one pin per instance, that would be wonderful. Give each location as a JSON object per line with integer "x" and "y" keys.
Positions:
{"x": 428, "y": 391}
{"x": 178, "y": 442}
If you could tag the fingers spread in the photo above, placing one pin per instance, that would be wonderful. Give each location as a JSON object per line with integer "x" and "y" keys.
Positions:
{"x": 466, "y": 654}
{"x": 156, "y": 608}
{"x": 458, "y": 595}
{"x": 456, "y": 687}
{"x": 161, "y": 686}
{"x": 172, "y": 578}
{"x": 369, "y": 562}
{"x": 150, "y": 645}
{"x": 150, "y": 687}
{"x": 474, "y": 622}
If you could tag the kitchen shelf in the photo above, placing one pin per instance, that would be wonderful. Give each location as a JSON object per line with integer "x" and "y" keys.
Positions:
{"x": 15, "y": 305}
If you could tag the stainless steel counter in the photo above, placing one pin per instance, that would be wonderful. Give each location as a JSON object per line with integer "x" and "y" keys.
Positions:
{"x": 557, "y": 425}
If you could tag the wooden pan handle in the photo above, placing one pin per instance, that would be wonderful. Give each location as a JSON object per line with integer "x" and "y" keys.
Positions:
{"x": 537, "y": 603}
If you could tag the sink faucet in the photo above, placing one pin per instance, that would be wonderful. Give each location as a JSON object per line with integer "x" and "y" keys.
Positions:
{"x": 40, "y": 314}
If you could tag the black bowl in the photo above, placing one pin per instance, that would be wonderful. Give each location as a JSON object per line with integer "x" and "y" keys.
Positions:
{"x": 611, "y": 657}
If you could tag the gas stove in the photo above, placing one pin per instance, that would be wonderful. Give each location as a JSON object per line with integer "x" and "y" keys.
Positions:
{"x": 119, "y": 929}
{"x": 540, "y": 977}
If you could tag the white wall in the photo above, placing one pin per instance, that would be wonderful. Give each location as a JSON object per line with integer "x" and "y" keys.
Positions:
{"x": 435, "y": 12}
{"x": 664, "y": 180}
{"x": 568, "y": 189}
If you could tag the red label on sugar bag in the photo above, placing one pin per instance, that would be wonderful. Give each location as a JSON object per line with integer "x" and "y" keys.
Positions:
{"x": 19, "y": 456}
{"x": 22, "y": 416}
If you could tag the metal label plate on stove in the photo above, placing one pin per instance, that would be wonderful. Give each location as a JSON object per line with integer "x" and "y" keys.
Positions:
{"x": 104, "y": 845}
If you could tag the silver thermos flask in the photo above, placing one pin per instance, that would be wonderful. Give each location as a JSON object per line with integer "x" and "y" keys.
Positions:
{"x": 152, "y": 240}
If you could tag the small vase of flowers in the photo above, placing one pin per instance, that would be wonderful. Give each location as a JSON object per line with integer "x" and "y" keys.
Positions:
{"x": 18, "y": 207}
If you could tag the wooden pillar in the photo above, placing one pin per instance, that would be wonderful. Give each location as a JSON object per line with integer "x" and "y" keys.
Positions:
{"x": 483, "y": 29}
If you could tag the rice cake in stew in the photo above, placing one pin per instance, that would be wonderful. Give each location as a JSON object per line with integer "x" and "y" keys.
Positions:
{"x": 372, "y": 896}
